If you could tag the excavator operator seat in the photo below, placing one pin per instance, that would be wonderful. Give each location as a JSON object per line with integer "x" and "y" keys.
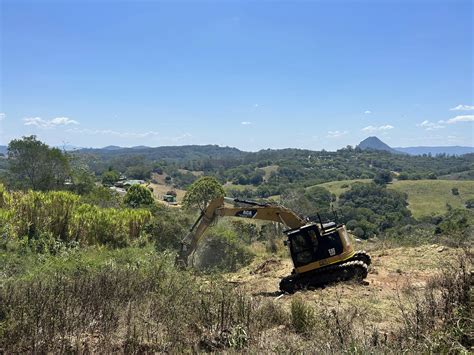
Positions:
{"x": 303, "y": 243}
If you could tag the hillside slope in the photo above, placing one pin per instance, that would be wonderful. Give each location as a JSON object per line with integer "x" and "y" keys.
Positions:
{"x": 425, "y": 197}
{"x": 392, "y": 273}
{"x": 178, "y": 153}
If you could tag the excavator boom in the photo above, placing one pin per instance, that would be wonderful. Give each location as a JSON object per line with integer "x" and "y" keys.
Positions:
{"x": 217, "y": 208}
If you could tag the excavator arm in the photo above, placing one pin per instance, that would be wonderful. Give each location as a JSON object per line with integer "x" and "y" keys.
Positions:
{"x": 217, "y": 208}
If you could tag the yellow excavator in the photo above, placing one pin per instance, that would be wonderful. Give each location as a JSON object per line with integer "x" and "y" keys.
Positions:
{"x": 322, "y": 253}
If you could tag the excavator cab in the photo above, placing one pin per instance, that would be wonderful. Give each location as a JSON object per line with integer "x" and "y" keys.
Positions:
{"x": 314, "y": 243}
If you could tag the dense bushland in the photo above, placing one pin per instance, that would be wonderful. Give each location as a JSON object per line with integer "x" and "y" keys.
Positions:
{"x": 370, "y": 209}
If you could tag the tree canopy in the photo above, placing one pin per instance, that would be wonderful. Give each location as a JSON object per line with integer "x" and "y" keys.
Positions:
{"x": 383, "y": 177}
{"x": 201, "y": 192}
{"x": 368, "y": 209}
{"x": 34, "y": 165}
{"x": 308, "y": 202}
{"x": 137, "y": 196}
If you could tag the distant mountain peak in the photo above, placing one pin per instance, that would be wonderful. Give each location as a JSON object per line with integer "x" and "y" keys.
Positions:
{"x": 376, "y": 144}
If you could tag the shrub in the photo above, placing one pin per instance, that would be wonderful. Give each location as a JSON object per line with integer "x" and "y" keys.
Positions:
{"x": 35, "y": 213}
{"x": 61, "y": 216}
{"x": 383, "y": 177}
{"x": 403, "y": 176}
{"x": 359, "y": 232}
{"x": 470, "y": 203}
{"x": 138, "y": 195}
{"x": 168, "y": 227}
{"x": 441, "y": 318}
{"x": 117, "y": 228}
{"x": 103, "y": 197}
{"x": 455, "y": 191}
{"x": 221, "y": 250}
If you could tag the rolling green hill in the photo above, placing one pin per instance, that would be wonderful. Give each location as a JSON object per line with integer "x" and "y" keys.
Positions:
{"x": 425, "y": 197}
{"x": 428, "y": 197}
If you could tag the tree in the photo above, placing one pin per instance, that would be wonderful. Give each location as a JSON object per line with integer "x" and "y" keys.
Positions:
{"x": 201, "y": 192}
{"x": 307, "y": 202}
{"x": 138, "y": 195}
{"x": 34, "y": 165}
{"x": 383, "y": 177}
{"x": 110, "y": 177}
{"x": 140, "y": 172}
{"x": 83, "y": 181}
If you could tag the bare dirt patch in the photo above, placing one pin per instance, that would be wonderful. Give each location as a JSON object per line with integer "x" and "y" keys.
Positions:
{"x": 161, "y": 188}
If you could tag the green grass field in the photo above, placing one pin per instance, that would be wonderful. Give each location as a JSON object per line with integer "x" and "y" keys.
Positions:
{"x": 338, "y": 187}
{"x": 425, "y": 197}
{"x": 429, "y": 197}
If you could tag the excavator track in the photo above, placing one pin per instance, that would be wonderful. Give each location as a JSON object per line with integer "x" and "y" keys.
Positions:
{"x": 352, "y": 269}
{"x": 362, "y": 255}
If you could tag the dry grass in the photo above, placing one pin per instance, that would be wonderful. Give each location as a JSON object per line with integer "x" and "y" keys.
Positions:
{"x": 161, "y": 188}
{"x": 152, "y": 307}
{"x": 392, "y": 269}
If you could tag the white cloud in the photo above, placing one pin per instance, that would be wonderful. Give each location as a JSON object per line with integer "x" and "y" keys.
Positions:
{"x": 110, "y": 132}
{"x": 62, "y": 121}
{"x": 246, "y": 123}
{"x": 371, "y": 129}
{"x": 430, "y": 126}
{"x": 41, "y": 123}
{"x": 181, "y": 137}
{"x": 2, "y": 116}
{"x": 463, "y": 118}
{"x": 368, "y": 112}
{"x": 462, "y": 108}
{"x": 336, "y": 134}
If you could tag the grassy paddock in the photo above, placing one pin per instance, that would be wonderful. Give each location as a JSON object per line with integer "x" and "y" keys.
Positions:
{"x": 425, "y": 197}
{"x": 430, "y": 197}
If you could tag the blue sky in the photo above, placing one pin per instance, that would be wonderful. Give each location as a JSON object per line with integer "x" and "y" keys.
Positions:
{"x": 250, "y": 74}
